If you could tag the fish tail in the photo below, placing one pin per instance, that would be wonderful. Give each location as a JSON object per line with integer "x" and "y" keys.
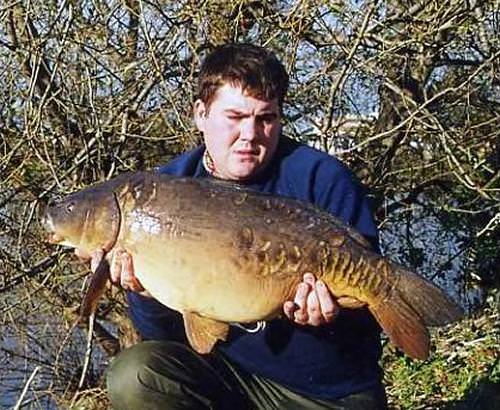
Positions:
{"x": 412, "y": 304}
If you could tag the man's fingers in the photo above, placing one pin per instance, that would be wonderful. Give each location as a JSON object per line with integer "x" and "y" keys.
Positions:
{"x": 128, "y": 279}
{"x": 314, "y": 314}
{"x": 289, "y": 309}
{"x": 315, "y": 317}
{"x": 328, "y": 308}
{"x": 313, "y": 303}
{"x": 309, "y": 279}
{"x": 300, "y": 314}
{"x": 126, "y": 270}
{"x": 301, "y": 295}
{"x": 122, "y": 271}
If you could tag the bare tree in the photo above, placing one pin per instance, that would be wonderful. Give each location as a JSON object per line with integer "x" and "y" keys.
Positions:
{"x": 407, "y": 93}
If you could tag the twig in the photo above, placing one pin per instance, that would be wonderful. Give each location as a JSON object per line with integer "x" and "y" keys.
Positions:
{"x": 88, "y": 356}
{"x": 490, "y": 226}
{"x": 341, "y": 79}
{"x": 419, "y": 110}
{"x": 26, "y": 387}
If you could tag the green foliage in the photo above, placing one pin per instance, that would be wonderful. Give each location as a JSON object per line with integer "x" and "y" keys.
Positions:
{"x": 462, "y": 373}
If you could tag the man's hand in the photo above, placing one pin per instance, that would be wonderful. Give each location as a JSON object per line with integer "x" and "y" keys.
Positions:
{"x": 313, "y": 303}
{"x": 121, "y": 269}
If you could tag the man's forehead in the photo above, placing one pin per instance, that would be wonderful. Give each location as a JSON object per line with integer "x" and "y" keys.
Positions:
{"x": 234, "y": 97}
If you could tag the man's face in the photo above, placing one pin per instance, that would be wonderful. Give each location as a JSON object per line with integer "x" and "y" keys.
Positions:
{"x": 241, "y": 132}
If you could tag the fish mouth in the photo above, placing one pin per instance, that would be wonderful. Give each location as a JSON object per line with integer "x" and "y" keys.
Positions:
{"x": 54, "y": 238}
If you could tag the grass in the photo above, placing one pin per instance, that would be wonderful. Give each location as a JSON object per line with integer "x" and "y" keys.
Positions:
{"x": 463, "y": 372}
{"x": 91, "y": 399}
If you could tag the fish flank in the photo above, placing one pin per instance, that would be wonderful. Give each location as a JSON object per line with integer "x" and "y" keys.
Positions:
{"x": 345, "y": 258}
{"x": 362, "y": 279}
{"x": 294, "y": 257}
{"x": 375, "y": 280}
{"x": 86, "y": 224}
{"x": 325, "y": 260}
{"x": 152, "y": 196}
{"x": 265, "y": 246}
{"x": 349, "y": 267}
{"x": 281, "y": 258}
{"x": 337, "y": 241}
{"x": 333, "y": 264}
{"x": 355, "y": 276}
{"x": 383, "y": 268}
{"x": 240, "y": 200}
{"x": 296, "y": 254}
{"x": 245, "y": 238}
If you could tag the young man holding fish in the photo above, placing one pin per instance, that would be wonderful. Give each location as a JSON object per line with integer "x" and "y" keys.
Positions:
{"x": 319, "y": 356}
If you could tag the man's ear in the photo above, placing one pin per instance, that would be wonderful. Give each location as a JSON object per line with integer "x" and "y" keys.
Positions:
{"x": 200, "y": 113}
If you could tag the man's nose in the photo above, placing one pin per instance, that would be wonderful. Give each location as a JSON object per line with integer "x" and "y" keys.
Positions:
{"x": 249, "y": 129}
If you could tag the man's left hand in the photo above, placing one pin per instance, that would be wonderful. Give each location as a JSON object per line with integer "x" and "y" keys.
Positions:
{"x": 313, "y": 303}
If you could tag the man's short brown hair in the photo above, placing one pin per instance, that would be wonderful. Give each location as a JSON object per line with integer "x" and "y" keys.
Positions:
{"x": 256, "y": 70}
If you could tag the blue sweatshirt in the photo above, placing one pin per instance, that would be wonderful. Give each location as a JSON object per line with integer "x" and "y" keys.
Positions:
{"x": 326, "y": 362}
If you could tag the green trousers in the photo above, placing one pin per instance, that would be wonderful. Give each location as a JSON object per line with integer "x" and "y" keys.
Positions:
{"x": 169, "y": 375}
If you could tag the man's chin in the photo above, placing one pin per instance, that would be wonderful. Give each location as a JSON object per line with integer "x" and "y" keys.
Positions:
{"x": 245, "y": 173}
{"x": 240, "y": 173}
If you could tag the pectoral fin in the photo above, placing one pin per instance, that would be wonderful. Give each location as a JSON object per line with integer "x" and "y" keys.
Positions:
{"x": 96, "y": 288}
{"x": 203, "y": 332}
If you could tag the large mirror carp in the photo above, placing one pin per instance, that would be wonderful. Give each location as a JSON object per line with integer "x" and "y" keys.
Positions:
{"x": 220, "y": 254}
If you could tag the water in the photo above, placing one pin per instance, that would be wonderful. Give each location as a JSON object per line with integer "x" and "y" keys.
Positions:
{"x": 40, "y": 341}
{"x": 416, "y": 238}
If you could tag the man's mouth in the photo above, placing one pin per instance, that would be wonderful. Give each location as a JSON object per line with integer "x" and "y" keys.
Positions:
{"x": 247, "y": 153}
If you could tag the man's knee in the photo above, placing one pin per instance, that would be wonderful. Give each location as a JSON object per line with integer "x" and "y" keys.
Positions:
{"x": 162, "y": 375}
{"x": 136, "y": 378}
{"x": 123, "y": 379}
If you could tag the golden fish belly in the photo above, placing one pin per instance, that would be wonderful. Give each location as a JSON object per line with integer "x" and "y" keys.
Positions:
{"x": 209, "y": 282}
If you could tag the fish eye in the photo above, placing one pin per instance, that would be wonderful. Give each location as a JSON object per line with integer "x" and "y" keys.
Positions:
{"x": 69, "y": 207}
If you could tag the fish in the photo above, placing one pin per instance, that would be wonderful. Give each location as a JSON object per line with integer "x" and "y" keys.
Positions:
{"x": 220, "y": 253}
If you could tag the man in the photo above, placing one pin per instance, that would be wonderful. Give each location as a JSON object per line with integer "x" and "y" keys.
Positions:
{"x": 318, "y": 356}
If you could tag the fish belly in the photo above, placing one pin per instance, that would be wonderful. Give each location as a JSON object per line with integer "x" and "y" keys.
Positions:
{"x": 210, "y": 284}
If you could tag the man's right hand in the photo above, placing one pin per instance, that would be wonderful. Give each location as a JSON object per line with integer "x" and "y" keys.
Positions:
{"x": 121, "y": 269}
